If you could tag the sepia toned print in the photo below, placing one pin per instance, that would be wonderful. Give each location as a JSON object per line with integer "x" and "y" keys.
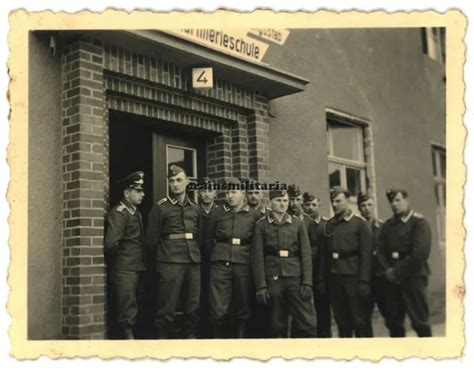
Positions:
{"x": 259, "y": 191}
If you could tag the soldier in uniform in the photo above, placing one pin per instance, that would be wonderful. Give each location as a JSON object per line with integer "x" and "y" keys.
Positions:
{"x": 228, "y": 239}
{"x": 347, "y": 250}
{"x": 255, "y": 198}
{"x": 207, "y": 204}
{"x": 123, "y": 248}
{"x": 366, "y": 207}
{"x": 321, "y": 298}
{"x": 404, "y": 247}
{"x": 281, "y": 264}
{"x": 175, "y": 229}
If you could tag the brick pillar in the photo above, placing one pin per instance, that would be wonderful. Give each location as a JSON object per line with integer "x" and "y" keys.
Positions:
{"x": 84, "y": 290}
{"x": 240, "y": 161}
{"x": 219, "y": 156}
{"x": 258, "y": 140}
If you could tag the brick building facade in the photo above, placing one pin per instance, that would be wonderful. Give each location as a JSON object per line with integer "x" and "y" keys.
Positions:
{"x": 106, "y": 103}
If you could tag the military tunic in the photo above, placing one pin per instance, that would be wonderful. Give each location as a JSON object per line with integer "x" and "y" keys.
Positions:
{"x": 175, "y": 230}
{"x": 228, "y": 241}
{"x": 321, "y": 299}
{"x": 347, "y": 250}
{"x": 281, "y": 262}
{"x": 404, "y": 245}
{"x": 123, "y": 249}
{"x": 204, "y": 325}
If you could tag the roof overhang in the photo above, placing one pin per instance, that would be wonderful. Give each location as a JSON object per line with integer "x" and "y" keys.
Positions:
{"x": 272, "y": 82}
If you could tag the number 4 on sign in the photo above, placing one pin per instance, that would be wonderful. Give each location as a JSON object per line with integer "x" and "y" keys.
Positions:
{"x": 202, "y": 78}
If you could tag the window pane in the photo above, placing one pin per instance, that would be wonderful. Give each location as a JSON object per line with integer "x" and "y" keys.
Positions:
{"x": 334, "y": 175}
{"x": 183, "y": 158}
{"x": 353, "y": 181}
{"x": 346, "y": 140}
{"x": 442, "y": 163}
{"x": 433, "y": 159}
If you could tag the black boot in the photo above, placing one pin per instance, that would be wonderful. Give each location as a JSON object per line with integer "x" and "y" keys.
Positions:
{"x": 163, "y": 332}
{"x": 128, "y": 332}
{"x": 241, "y": 329}
{"x": 218, "y": 331}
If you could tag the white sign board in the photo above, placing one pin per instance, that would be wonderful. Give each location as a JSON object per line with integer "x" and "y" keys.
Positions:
{"x": 203, "y": 78}
{"x": 276, "y": 35}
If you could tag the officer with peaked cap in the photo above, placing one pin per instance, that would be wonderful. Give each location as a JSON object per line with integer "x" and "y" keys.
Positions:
{"x": 404, "y": 247}
{"x": 315, "y": 232}
{"x": 347, "y": 250}
{"x": 228, "y": 239}
{"x": 365, "y": 203}
{"x": 281, "y": 265}
{"x": 175, "y": 230}
{"x": 207, "y": 196}
{"x": 123, "y": 249}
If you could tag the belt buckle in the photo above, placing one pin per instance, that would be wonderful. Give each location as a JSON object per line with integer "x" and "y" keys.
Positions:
{"x": 335, "y": 255}
{"x": 236, "y": 241}
{"x": 188, "y": 236}
{"x": 395, "y": 255}
{"x": 283, "y": 253}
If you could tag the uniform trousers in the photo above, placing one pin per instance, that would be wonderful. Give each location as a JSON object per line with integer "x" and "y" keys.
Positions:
{"x": 285, "y": 299}
{"x": 351, "y": 309}
{"x": 124, "y": 296}
{"x": 175, "y": 281}
{"x": 407, "y": 297}
{"x": 229, "y": 291}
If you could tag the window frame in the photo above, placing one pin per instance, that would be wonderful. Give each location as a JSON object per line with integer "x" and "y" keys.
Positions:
{"x": 440, "y": 183}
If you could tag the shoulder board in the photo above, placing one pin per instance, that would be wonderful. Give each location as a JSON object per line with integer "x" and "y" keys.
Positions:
{"x": 360, "y": 217}
{"x": 380, "y": 221}
{"x": 418, "y": 215}
{"x": 120, "y": 208}
{"x": 162, "y": 201}
{"x": 324, "y": 218}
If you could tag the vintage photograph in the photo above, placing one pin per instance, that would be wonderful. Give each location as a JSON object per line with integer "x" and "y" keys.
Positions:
{"x": 207, "y": 182}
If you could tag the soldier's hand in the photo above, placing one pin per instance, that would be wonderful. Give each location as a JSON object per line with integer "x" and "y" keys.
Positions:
{"x": 263, "y": 296}
{"x": 322, "y": 288}
{"x": 364, "y": 288}
{"x": 306, "y": 292}
{"x": 390, "y": 275}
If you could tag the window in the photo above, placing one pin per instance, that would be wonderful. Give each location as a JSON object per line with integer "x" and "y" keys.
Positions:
{"x": 347, "y": 167}
{"x": 434, "y": 43}
{"x": 439, "y": 172}
{"x": 186, "y": 159}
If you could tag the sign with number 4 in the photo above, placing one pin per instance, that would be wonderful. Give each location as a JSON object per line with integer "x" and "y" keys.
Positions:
{"x": 202, "y": 78}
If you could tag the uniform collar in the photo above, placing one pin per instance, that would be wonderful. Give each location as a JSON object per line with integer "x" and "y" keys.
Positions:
{"x": 346, "y": 218}
{"x": 227, "y": 208}
{"x": 317, "y": 220}
{"x": 131, "y": 209}
{"x": 174, "y": 201}
{"x": 286, "y": 218}
{"x": 210, "y": 209}
{"x": 406, "y": 218}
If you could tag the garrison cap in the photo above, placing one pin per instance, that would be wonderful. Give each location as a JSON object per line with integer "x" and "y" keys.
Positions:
{"x": 363, "y": 197}
{"x": 308, "y": 197}
{"x": 133, "y": 181}
{"x": 393, "y": 192}
{"x": 234, "y": 184}
{"x": 293, "y": 190}
{"x": 175, "y": 170}
{"x": 336, "y": 191}
{"x": 274, "y": 193}
{"x": 208, "y": 184}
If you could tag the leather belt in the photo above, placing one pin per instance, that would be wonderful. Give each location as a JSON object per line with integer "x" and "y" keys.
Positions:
{"x": 281, "y": 253}
{"x": 179, "y": 236}
{"x": 235, "y": 241}
{"x": 338, "y": 255}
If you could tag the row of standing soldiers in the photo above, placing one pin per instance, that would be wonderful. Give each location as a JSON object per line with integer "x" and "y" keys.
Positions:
{"x": 244, "y": 270}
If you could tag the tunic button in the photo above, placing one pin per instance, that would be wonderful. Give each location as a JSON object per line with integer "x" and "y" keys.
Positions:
{"x": 275, "y": 278}
{"x": 227, "y": 264}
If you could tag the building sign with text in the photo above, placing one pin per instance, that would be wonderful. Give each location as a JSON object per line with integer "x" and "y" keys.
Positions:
{"x": 236, "y": 42}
